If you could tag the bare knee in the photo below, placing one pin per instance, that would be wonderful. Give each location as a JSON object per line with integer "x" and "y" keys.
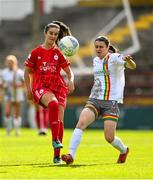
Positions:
{"x": 81, "y": 125}
{"x": 109, "y": 130}
{"x": 86, "y": 118}
{"x": 47, "y": 98}
{"x": 109, "y": 137}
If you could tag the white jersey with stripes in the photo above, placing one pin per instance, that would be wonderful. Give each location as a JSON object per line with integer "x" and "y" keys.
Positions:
{"x": 109, "y": 79}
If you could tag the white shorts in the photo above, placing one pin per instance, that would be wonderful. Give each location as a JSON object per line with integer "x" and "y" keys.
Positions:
{"x": 17, "y": 95}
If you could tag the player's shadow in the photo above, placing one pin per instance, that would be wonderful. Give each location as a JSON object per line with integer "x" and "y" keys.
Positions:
{"x": 30, "y": 164}
{"x": 75, "y": 165}
{"x": 44, "y": 165}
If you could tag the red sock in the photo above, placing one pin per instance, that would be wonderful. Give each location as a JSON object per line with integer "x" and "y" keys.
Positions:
{"x": 45, "y": 117}
{"x": 61, "y": 131}
{"x": 38, "y": 118}
{"x": 53, "y": 118}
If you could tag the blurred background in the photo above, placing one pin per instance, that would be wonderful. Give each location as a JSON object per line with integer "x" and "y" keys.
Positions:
{"x": 128, "y": 24}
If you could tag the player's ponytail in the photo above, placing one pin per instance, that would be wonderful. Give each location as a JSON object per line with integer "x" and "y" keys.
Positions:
{"x": 64, "y": 29}
{"x": 113, "y": 49}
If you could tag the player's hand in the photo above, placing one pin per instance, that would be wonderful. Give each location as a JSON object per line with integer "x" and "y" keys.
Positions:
{"x": 71, "y": 86}
{"x": 128, "y": 58}
{"x": 129, "y": 62}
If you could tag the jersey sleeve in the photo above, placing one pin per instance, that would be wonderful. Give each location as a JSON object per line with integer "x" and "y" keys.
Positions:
{"x": 63, "y": 61}
{"x": 30, "y": 62}
{"x": 118, "y": 59}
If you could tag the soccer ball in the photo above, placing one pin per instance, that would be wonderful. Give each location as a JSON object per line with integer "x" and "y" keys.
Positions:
{"x": 68, "y": 45}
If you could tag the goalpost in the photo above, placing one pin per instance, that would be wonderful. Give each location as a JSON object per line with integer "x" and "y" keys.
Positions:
{"x": 125, "y": 13}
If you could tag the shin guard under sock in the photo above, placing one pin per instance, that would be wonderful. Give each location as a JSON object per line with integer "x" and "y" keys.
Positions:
{"x": 53, "y": 118}
{"x": 61, "y": 131}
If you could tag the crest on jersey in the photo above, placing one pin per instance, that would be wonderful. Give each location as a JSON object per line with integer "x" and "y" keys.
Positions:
{"x": 41, "y": 91}
{"x": 56, "y": 57}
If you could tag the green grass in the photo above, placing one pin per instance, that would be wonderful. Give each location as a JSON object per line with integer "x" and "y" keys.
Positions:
{"x": 30, "y": 157}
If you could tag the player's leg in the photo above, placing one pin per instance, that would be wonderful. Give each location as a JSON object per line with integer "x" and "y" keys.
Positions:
{"x": 8, "y": 118}
{"x": 49, "y": 100}
{"x": 17, "y": 117}
{"x": 37, "y": 111}
{"x": 110, "y": 117}
{"x": 41, "y": 118}
{"x": 57, "y": 159}
{"x": 45, "y": 120}
{"x": 87, "y": 116}
{"x": 116, "y": 142}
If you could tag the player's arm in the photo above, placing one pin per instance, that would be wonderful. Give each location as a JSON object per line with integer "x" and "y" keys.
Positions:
{"x": 27, "y": 77}
{"x": 70, "y": 77}
{"x": 129, "y": 62}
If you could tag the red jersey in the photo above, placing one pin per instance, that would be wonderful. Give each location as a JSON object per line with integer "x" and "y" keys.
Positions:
{"x": 46, "y": 65}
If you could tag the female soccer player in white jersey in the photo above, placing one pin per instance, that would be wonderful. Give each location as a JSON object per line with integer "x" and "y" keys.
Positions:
{"x": 13, "y": 84}
{"x": 106, "y": 93}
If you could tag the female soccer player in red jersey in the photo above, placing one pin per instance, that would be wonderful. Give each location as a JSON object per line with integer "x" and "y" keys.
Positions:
{"x": 64, "y": 31}
{"x": 45, "y": 84}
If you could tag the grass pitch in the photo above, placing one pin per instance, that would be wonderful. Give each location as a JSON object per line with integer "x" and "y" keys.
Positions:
{"x": 29, "y": 156}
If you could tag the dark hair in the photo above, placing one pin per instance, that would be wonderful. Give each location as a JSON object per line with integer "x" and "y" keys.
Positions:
{"x": 64, "y": 29}
{"x": 112, "y": 49}
{"x": 104, "y": 39}
{"x": 50, "y": 25}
